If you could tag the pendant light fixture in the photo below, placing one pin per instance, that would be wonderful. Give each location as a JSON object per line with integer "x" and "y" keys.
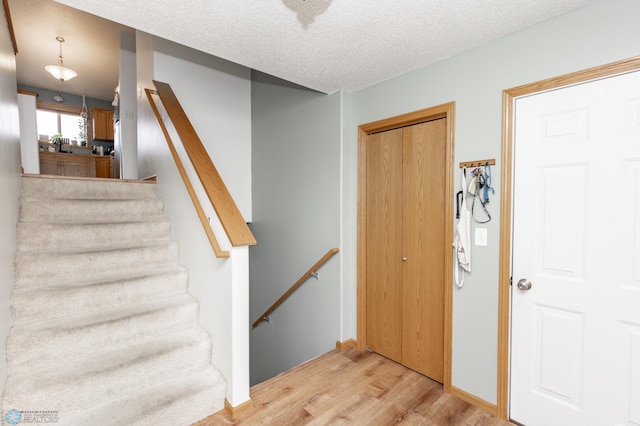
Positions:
{"x": 59, "y": 71}
{"x": 84, "y": 113}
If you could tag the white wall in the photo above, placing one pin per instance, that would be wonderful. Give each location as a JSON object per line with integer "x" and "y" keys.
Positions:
{"x": 127, "y": 142}
{"x": 29, "y": 153}
{"x": 10, "y": 178}
{"x": 599, "y": 33}
{"x": 296, "y": 196}
{"x": 216, "y": 97}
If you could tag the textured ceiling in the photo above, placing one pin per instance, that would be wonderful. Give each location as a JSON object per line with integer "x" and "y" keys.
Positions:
{"x": 327, "y": 45}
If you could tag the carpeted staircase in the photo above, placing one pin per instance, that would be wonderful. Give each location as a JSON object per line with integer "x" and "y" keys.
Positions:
{"x": 103, "y": 329}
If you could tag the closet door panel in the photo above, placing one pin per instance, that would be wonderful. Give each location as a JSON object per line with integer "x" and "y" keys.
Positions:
{"x": 384, "y": 243}
{"x": 423, "y": 237}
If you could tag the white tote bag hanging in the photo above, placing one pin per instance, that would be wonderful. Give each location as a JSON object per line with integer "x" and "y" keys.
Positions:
{"x": 462, "y": 242}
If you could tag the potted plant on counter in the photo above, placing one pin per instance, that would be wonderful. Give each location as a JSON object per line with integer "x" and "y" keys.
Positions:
{"x": 82, "y": 132}
{"x": 56, "y": 138}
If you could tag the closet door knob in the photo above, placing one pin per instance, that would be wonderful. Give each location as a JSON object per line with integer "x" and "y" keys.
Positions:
{"x": 404, "y": 259}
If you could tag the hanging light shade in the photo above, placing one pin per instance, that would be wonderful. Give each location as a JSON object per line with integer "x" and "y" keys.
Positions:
{"x": 59, "y": 71}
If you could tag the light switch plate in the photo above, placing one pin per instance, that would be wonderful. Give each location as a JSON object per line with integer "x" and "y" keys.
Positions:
{"x": 481, "y": 237}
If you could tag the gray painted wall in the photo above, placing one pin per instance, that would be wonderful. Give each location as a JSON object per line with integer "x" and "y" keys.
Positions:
{"x": 296, "y": 220}
{"x": 10, "y": 178}
{"x": 46, "y": 95}
{"x": 597, "y": 34}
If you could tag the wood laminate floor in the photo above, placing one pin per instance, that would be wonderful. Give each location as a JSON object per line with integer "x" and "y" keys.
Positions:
{"x": 350, "y": 387}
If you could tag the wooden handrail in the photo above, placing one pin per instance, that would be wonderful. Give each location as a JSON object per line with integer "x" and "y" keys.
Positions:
{"x": 194, "y": 198}
{"x": 232, "y": 221}
{"x": 294, "y": 287}
{"x": 12, "y": 34}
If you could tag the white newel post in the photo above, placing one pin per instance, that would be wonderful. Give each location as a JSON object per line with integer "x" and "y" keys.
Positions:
{"x": 29, "y": 152}
{"x": 239, "y": 382}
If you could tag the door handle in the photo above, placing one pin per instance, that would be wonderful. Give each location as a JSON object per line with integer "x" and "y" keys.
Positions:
{"x": 524, "y": 284}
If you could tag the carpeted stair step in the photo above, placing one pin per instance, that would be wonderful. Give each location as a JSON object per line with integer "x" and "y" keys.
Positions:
{"x": 89, "y": 381}
{"x": 33, "y": 346}
{"x": 180, "y": 401}
{"x": 37, "y": 304}
{"x": 61, "y": 187}
{"x": 53, "y": 236}
{"x": 68, "y": 210}
{"x": 47, "y": 268}
{"x": 103, "y": 329}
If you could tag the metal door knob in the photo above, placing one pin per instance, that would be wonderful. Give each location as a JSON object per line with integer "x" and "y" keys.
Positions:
{"x": 404, "y": 259}
{"x": 524, "y": 284}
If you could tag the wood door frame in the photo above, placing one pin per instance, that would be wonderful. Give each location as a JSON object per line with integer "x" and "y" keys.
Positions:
{"x": 427, "y": 114}
{"x": 508, "y": 121}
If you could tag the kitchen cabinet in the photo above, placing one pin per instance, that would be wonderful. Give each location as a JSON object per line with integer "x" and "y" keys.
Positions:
{"x": 102, "y": 124}
{"x": 49, "y": 164}
{"x": 54, "y": 163}
{"x": 104, "y": 166}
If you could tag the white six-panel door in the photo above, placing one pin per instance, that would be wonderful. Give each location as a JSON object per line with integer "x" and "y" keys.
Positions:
{"x": 575, "y": 335}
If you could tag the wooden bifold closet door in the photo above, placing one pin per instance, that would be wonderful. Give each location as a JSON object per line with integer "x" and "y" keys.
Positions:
{"x": 405, "y": 238}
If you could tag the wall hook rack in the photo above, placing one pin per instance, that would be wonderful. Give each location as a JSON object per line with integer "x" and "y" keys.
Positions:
{"x": 478, "y": 163}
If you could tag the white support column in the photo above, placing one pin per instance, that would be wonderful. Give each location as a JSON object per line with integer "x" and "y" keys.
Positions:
{"x": 30, "y": 155}
{"x": 238, "y": 383}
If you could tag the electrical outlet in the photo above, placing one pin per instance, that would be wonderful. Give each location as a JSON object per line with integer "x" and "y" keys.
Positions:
{"x": 481, "y": 237}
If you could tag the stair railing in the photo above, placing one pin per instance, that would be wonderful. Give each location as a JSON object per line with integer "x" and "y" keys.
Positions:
{"x": 12, "y": 34}
{"x": 230, "y": 217}
{"x": 225, "y": 207}
{"x": 187, "y": 182}
{"x": 310, "y": 273}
